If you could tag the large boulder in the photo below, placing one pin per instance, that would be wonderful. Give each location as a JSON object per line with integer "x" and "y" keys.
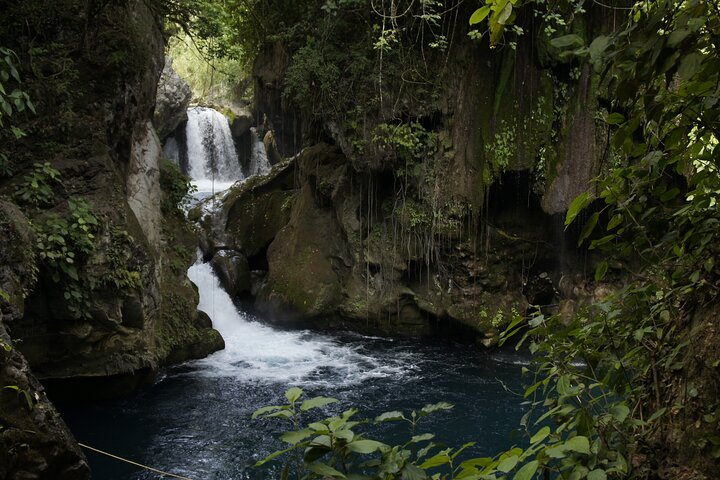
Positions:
{"x": 34, "y": 441}
{"x": 173, "y": 98}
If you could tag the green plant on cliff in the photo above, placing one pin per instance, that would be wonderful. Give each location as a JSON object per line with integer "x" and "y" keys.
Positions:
{"x": 63, "y": 245}
{"x": 644, "y": 395}
{"x": 12, "y": 103}
{"x": 177, "y": 189}
{"x": 38, "y": 188}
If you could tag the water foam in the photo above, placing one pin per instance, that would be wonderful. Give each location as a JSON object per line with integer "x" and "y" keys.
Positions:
{"x": 260, "y": 353}
{"x": 212, "y": 157}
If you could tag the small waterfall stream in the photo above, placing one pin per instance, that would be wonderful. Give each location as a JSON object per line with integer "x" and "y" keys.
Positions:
{"x": 213, "y": 163}
{"x": 257, "y": 352}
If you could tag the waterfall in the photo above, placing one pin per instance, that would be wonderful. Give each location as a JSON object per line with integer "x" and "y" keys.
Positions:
{"x": 259, "y": 163}
{"x": 257, "y": 352}
{"x": 213, "y": 163}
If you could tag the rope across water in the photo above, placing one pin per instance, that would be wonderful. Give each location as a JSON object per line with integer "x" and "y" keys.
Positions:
{"x": 167, "y": 474}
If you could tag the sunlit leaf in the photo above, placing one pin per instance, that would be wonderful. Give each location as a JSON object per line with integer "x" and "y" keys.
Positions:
{"x": 316, "y": 402}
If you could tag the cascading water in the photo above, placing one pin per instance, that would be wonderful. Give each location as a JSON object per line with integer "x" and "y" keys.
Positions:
{"x": 213, "y": 163}
{"x": 196, "y": 421}
{"x": 259, "y": 164}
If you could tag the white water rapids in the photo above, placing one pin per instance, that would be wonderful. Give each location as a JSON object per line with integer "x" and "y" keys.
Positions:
{"x": 213, "y": 163}
{"x": 254, "y": 351}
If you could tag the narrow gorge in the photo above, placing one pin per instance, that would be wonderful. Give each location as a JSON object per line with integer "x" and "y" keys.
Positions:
{"x": 505, "y": 206}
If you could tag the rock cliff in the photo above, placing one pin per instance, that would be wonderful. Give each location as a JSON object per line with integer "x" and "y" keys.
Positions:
{"x": 102, "y": 300}
{"x": 434, "y": 207}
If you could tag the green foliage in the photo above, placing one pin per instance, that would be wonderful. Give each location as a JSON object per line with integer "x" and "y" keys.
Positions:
{"x": 124, "y": 273}
{"x": 37, "y": 190}
{"x": 336, "y": 447}
{"x": 63, "y": 245}
{"x": 12, "y": 103}
{"x": 16, "y": 101}
{"x": 408, "y": 141}
{"x": 621, "y": 371}
{"x": 177, "y": 189}
{"x": 217, "y": 76}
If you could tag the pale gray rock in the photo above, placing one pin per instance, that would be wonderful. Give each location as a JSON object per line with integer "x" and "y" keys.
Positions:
{"x": 173, "y": 97}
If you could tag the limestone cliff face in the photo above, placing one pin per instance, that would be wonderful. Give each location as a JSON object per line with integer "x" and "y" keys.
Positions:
{"x": 173, "y": 98}
{"x": 34, "y": 441}
{"x": 448, "y": 221}
{"x": 123, "y": 307}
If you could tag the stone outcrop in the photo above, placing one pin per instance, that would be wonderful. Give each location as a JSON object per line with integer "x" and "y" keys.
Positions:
{"x": 173, "y": 98}
{"x": 305, "y": 247}
{"x": 432, "y": 211}
{"x": 125, "y": 308}
{"x": 34, "y": 441}
{"x": 143, "y": 180}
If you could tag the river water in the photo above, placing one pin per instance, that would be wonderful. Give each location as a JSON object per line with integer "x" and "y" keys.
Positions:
{"x": 196, "y": 420}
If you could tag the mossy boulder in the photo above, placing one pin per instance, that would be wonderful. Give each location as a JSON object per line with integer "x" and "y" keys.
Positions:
{"x": 308, "y": 259}
{"x": 305, "y": 264}
{"x": 233, "y": 271}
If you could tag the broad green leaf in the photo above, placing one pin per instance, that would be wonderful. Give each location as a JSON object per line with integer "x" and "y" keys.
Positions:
{"x": 506, "y": 465}
{"x": 601, "y": 270}
{"x": 322, "y": 441}
{"x": 365, "y": 446}
{"x": 615, "y": 221}
{"x": 580, "y": 202}
{"x": 264, "y": 410}
{"x": 324, "y": 470}
{"x": 677, "y": 37}
{"x": 440, "y": 459}
{"x": 540, "y": 435}
{"x": 598, "y": 46}
{"x": 316, "y": 402}
{"x": 435, "y": 407}
{"x": 557, "y": 451}
{"x": 477, "y": 462}
{"x": 461, "y": 449}
{"x": 657, "y": 414}
{"x": 597, "y": 474}
{"x": 527, "y": 471}
{"x": 578, "y": 444}
{"x": 571, "y": 40}
{"x": 615, "y": 118}
{"x": 479, "y": 15}
{"x": 293, "y": 394}
{"x": 689, "y": 65}
{"x": 346, "y": 435}
{"x": 589, "y": 227}
{"x": 272, "y": 455}
{"x": 412, "y": 472}
{"x": 318, "y": 427}
{"x": 389, "y": 417}
{"x": 620, "y": 412}
{"x": 287, "y": 414}
{"x": 422, "y": 438}
{"x": 505, "y": 14}
{"x": 296, "y": 436}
